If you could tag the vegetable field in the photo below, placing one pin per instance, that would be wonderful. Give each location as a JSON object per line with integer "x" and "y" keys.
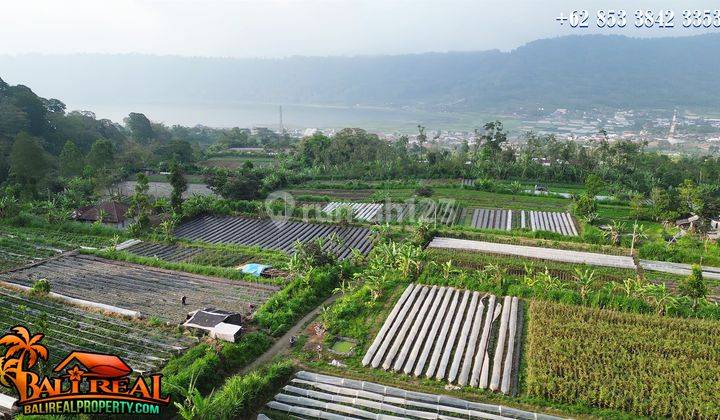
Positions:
{"x": 16, "y": 252}
{"x": 167, "y": 252}
{"x": 642, "y": 364}
{"x": 152, "y": 291}
{"x": 269, "y": 234}
{"x": 312, "y": 395}
{"x": 457, "y": 335}
{"x": 441, "y": 211}
{"x": 562, "y": 223}
{"x": 22, "y": 245}
{"x": 68, "y": 328}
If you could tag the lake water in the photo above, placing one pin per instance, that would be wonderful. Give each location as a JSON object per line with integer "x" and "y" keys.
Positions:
{"x": 294, "y": 116}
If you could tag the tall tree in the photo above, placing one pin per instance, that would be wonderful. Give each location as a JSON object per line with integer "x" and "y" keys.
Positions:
{"x": 493, "y": 139}
{"x": 140, "y": 204}
{"x": 139, "y": 126}
{"x": 28, "y": 163}
{"x": 101, "y": 155}
{"x": 179, "y": 186}
{"x": 71, "y": 160}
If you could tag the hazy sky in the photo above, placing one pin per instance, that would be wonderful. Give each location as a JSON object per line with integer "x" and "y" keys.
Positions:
{"x": 273, "y": 28}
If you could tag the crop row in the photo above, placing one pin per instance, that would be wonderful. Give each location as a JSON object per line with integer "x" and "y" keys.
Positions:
{"x": 313, "y": 395}
{"x": 68, "y": 328}
{"x": 445, "y": 333}
{"x": 271, "y": 234}
{"x": 643, "y": 364}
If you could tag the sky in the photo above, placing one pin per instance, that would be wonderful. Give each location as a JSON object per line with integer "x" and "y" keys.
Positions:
{"x": 280, "y": 28}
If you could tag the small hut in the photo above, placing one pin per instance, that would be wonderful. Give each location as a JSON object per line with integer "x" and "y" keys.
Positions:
{"x": 219, "y": 324}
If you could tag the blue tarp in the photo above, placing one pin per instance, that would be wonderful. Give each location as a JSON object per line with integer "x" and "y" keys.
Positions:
{"x": 254, "y": 269}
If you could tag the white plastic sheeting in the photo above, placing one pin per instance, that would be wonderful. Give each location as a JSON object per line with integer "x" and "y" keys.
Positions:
{"x": 312, "y": 395}
{"x": 447, "y": 334}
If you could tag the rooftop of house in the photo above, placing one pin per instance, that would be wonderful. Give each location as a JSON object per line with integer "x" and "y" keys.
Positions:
{"x": 114, "y": 212}
{"x": 210, "y": 317}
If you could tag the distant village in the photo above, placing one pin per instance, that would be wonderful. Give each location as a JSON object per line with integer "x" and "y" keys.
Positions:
{"x": 669, "y": 131}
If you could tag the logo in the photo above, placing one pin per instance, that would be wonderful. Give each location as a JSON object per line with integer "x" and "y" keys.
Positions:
{"x": 81, "y": 383}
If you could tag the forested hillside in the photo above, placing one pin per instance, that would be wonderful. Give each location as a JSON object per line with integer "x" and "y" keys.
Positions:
{"x": 574, "y": 71}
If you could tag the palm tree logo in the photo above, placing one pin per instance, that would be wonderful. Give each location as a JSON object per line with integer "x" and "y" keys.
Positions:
{"x": 23, "y": 352}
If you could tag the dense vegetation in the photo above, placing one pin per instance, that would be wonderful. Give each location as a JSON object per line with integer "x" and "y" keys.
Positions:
{"x": 646, "y": 365}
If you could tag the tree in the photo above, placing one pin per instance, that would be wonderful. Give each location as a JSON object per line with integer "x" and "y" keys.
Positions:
{"x": 140, "y": 127}
{"x": 421, "y": 137}
{"x": 239, "y": 185}
{"x": 585, "y": 207}
{"x": 593, "y": 185}
{"x": 101, "y": 155}
{"x": 179, "y": 186}
{"x": 694, "y": 286}
{"x": 71, "y": 160}
{"x": 28, "y": 163}
{"x": 663, "y": 205}
{"x": 140, "y": 204}
{"x": 492, "y": 139}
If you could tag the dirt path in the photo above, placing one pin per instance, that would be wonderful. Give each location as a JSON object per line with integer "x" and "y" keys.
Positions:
{"x": 283, "y": 343}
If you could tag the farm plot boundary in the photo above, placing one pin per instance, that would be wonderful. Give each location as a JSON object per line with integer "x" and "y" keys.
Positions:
{"x": 68, "y": 328}
{"x": 149, "y": 290}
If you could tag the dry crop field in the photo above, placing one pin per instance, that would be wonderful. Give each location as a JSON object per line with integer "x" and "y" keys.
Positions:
{"x": 148, "y": 290}
{"x": 449, "y": 334}
{"x": 268, "y": 234}
{"x": 643, "y": 364}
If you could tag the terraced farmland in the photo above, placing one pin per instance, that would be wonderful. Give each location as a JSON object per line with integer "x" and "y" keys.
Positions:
{"x": 167, "y": 252}
{"x": 16, "y": 252}
{"x": 68, "y": 328}
{"x": 268, "y": 234}
{"x": 562, "y": 223}
{"x": 23, "y": 245}
{"x": 312, "y": 395}
{"x": 492, "y": 219}
{"x": 447, "y": 334}
{"x": 148, "y": 290}
{"x": 361, "y": 211}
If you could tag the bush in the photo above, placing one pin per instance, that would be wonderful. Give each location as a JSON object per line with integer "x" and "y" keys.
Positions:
{"x": 424, "y": 191}
{"x": 41, "y": 287}
{"x": 242, "y": 396}
{"x": 207, "y": 365}
{"x": 301, "y": 295}
{"x": 240, "y": 354}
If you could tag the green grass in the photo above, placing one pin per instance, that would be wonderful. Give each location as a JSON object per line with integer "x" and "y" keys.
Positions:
{"x": 204, "y": 270}
{"x": 342, "y": 346}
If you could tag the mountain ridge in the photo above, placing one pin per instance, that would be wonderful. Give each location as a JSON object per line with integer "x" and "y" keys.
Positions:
{"x": 578, "y": 71}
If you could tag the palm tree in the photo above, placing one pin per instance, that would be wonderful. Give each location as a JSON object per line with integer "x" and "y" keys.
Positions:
{"x": 21, "y": 342}
{"x": 7, "y": 367}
